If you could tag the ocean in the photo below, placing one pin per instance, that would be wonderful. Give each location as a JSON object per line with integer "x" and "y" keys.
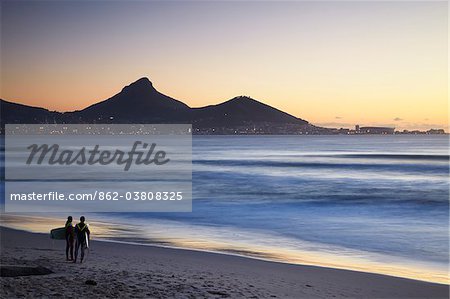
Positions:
{"x": 372, "y": 203}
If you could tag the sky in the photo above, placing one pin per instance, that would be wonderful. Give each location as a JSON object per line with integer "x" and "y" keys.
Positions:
{"x": 334, "y": 64}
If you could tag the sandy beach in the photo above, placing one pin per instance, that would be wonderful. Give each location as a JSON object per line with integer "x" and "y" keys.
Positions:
{"x": 134, "y": 271}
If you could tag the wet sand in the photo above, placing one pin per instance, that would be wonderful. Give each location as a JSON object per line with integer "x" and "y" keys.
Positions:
{"x": 134, "y": 271}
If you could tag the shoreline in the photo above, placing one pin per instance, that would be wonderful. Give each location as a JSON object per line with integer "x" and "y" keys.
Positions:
{"x": 354, "y": 261}
{"x": 251, "y": 257}
{"x": 228, "y": 275}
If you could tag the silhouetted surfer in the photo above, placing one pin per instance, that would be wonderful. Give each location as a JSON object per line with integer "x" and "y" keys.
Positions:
{"x": 69, "y": 238}
{"x": 82, "y": 233}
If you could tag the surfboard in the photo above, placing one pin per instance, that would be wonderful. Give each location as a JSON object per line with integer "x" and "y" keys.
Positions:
{"x": 86, "y": 239}
{"x": 58, "y": 233}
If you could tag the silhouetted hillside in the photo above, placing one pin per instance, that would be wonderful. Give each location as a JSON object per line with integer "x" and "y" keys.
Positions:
{"x": 240, "y": 110}
{"x": 140, "y": 102}
{"x": 13, "y": 113}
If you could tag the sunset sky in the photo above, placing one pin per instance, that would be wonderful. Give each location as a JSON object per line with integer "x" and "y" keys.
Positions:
{"x": 331, "y": 63}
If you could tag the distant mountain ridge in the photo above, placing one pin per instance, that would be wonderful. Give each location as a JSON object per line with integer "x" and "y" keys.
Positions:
{"x": 240, "y": 109}
{"x": 140, "y": 102}
{"x": 137, "y": 102}
{"x": 12, "y": 113}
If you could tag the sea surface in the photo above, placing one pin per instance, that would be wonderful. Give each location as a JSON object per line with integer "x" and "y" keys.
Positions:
{"x": 370, "y": 203}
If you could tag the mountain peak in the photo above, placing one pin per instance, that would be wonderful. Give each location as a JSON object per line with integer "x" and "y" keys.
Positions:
{"x": 143, "y": 80}
{"x": 243, "y": 98}
{"x": 142, "y": 84}
{"x": 137, "y": 102}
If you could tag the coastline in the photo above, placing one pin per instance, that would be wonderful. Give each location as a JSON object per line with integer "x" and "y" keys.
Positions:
{"x": 154, "y": 271}
{"x": 114, "y": 231}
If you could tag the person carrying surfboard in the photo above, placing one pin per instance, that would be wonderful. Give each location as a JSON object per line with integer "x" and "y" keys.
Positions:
{"x": 69, "y": 234}
{"x": 82, "y": 234}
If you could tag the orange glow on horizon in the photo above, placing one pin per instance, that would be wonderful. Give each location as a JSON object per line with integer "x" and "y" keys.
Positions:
{"x": 333, "y": 64}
